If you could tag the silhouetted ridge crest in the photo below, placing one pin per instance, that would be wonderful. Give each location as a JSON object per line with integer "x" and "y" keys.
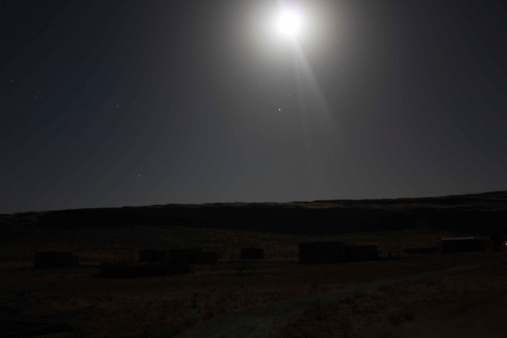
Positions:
{"x": 485, "y": 212}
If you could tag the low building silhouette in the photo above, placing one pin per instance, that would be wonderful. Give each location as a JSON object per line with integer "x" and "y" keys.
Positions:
{"x": 462, "y": 244}
{"x": 252, "y": 253}
{"x": 360, "y": 253}
{"x": 421, "y": 251}
{"x": 207, "y": 258}
{"x": 152, "y": 255}
{"x": 188, "y": 255}
{"x": 321, "y": 252}
{"x": 55, "y": 259}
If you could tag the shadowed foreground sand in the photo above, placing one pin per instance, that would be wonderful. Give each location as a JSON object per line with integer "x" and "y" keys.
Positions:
{"x": 466, "y": 304}
{"x": 260, "y": 322}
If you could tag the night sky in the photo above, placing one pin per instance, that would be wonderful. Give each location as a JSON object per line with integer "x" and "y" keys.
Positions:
{"x": 114, "y": 103}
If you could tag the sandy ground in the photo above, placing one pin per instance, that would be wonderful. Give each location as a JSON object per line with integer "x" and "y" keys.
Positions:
{"x": 467, "y": 304}
{"x": 168, "y": 306}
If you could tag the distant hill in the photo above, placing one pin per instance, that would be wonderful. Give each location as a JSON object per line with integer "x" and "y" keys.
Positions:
{"x": 474, "y": 213}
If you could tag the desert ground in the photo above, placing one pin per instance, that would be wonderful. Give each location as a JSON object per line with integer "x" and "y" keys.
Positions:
{"x": 466, "y": 304}
{"x": 450, "y": 305}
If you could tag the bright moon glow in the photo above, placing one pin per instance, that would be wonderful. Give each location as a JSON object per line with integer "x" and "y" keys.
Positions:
{"x": 289, "y": 23}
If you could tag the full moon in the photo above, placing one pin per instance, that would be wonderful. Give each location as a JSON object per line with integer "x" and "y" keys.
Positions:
{"x": 289, "y": 23}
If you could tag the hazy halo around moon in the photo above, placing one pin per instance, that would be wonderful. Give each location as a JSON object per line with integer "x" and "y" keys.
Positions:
{"x": 289, "y": 23}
